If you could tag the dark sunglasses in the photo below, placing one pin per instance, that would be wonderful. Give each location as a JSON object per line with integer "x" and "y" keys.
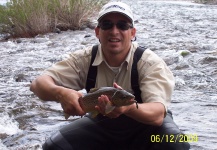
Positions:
{"x": 122, "y": 25}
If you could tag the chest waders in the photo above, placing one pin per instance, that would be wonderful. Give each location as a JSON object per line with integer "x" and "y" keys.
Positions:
{"x": 120, "y": 133}
{"x": 122, "y": 122}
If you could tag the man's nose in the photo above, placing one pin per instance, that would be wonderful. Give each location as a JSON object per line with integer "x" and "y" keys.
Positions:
{"x": 115, "y": 29}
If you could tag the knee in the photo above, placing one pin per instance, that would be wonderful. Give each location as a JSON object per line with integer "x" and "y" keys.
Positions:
{"x": 48, "y": 145}
{"x": 56, "y": 142}
{"x": 171, "y": 136}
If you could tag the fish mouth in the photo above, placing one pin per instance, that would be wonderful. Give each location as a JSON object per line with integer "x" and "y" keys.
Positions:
{"x": 131, "y": 101}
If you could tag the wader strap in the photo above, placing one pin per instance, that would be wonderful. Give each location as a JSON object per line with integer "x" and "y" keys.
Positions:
{"x": 134, "y": 74}
{"x": 92, "y": 72}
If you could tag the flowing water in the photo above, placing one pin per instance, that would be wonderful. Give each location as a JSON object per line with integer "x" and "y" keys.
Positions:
{"x": 184, "y": 34}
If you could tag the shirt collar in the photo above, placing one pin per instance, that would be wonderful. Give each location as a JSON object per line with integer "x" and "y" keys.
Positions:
{"x": 100, "y": 58}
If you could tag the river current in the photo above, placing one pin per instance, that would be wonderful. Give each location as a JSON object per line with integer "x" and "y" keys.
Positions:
{"x": 184, "y": 34}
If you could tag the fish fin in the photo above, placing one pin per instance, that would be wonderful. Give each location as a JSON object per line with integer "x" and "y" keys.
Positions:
{"x": 93, "y": 90}
{"x": 109, "y": 108}
{"x": 66, "y": 116}
{"x": 93, "y": 114}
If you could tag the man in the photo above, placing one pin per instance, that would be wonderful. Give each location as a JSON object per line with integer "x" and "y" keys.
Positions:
{"x": 125, "y": 127}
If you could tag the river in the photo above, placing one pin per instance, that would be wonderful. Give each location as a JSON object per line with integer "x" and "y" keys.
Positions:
{"x": 184, "y": 34}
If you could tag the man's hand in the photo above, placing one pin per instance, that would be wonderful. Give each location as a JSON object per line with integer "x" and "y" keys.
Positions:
{"x": 68, "y": 99}
{"x": 103, "y": 102}
{"x": 46, "y": 89}
{"x": 101, "y": 107}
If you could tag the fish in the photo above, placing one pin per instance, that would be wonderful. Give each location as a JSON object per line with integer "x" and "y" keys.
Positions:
{"x": 117, "y": 97}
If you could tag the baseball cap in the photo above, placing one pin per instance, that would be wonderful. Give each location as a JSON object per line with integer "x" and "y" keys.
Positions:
{"x": 116, "y": 7}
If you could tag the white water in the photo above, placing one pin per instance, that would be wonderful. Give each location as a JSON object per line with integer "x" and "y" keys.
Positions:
{"x": 8, "y": 124}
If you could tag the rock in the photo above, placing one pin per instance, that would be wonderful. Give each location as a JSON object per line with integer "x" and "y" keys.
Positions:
{"x": 184, "y": 53}
{"x": 209, "y": 59}
{"x": 21, "y": 78}
{"x": 86, "y": 36}
{"x": 57, "y": 30}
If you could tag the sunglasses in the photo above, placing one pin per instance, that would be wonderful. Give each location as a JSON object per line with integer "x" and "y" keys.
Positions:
{"x": 122, "y": 25}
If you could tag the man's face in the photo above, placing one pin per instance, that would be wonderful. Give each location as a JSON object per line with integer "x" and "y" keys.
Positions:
{"x": 115, "y": 40}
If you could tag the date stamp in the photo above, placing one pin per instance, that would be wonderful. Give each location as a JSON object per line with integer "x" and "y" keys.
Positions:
{"x": 174, "y": 138}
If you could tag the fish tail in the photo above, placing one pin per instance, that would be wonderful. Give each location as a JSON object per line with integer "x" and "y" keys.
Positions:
{"x": 66, "y": 116}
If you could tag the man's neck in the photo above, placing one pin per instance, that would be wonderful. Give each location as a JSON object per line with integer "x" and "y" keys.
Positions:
{"x": 115, "y": 60}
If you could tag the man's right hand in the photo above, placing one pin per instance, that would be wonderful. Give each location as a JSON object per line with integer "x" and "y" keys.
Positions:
{"x": 46, "y": 89}
{"x": 68, "y": 99}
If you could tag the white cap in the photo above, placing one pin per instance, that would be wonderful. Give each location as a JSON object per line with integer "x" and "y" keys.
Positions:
{"x": 116, "y": 7}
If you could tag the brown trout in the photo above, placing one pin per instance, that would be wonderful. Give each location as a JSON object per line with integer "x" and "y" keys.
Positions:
{"x": 116, "y": 96}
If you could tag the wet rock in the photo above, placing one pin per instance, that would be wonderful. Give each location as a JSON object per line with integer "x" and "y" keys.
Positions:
{"x": 3, "y": 135}
{"x": 57, "y": 30}
{"x": 171, "y": 60}
{"x": 179, "y": 82}
{"x": 39, "y": 40}
{"x": 207, "y": 47}
{"x": 19, "y": 41}
{"x": 21, "y": 78}
{"x": 182, "y": 65}
{"x": 209, "y": 59}
{"x": 17, "y": 111}
{"x": 184, "y": 53}
{"x": 5, "y": 37}
{"x": 86, "y": 36}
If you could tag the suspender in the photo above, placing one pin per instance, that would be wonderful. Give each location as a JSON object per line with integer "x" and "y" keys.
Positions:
{"x": 92, "y": 73}
{"x": 134, "y": 74}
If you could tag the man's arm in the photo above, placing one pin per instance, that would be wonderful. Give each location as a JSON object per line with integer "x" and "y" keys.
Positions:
{"x": 46, "y": 89}
{"x": 148, "y": 113}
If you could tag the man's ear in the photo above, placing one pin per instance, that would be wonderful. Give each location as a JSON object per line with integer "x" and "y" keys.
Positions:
{"x": 97, "y": 32}
{"x": 133, "y": 33}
